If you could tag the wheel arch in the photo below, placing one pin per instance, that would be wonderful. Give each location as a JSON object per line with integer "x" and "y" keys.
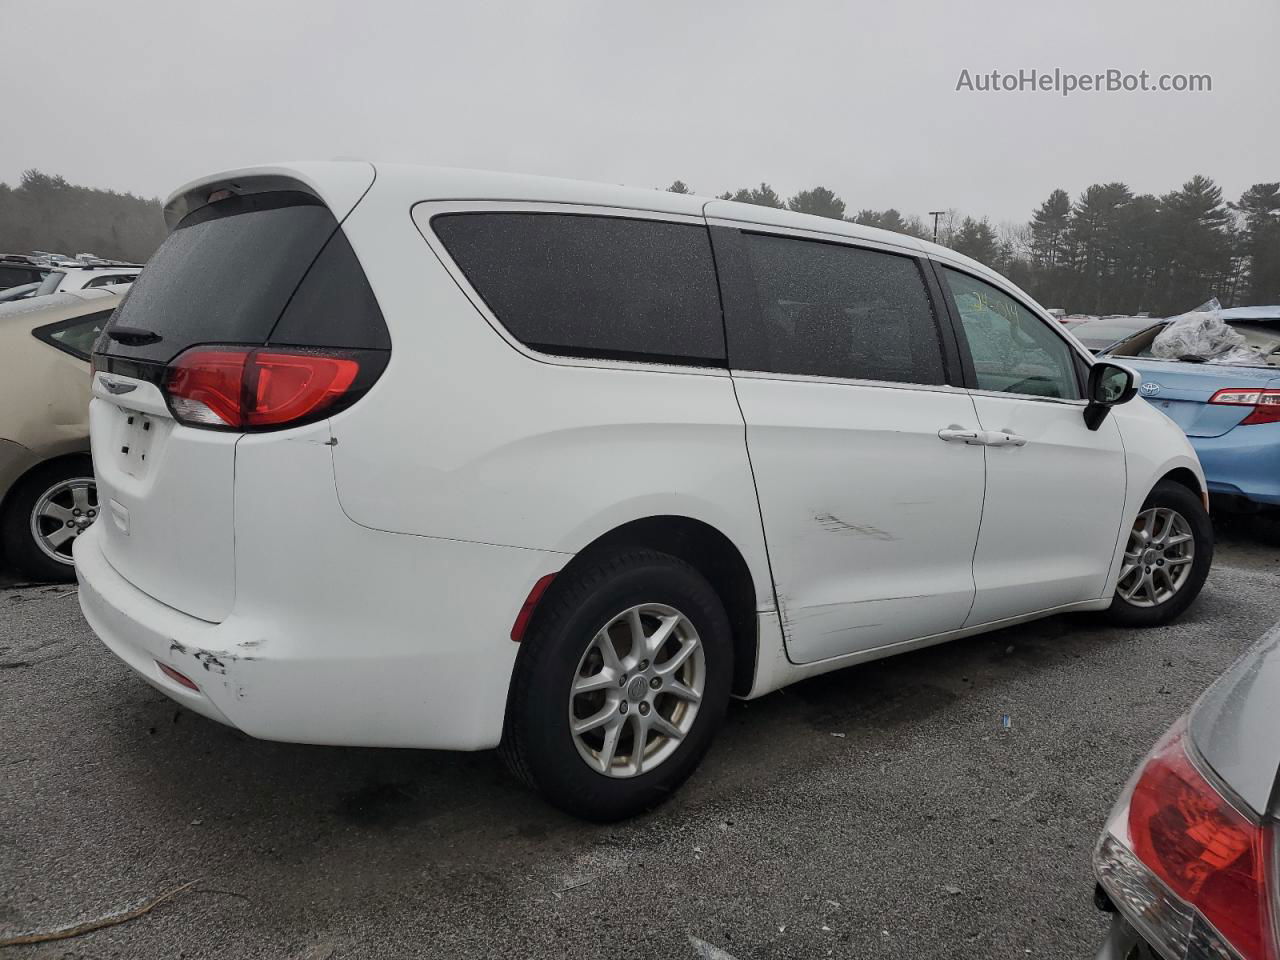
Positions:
{"x": 7, "y": 497}
{"x": 1185, "y": 477}
{"x": 713, "y": 554}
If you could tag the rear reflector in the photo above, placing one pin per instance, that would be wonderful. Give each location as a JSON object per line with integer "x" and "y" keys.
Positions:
{"x": 1265, "y": 403}
{"x": 176, "y": 677}
{"x": 247, "y": 388}
{"x": 530, "y": 605}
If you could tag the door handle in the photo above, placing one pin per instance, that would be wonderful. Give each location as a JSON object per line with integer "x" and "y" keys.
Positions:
{"x": 1003, "y": 438}
{"x": 957, "y": 434}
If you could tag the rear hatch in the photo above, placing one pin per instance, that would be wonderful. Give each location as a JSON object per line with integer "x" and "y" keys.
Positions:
{"x": 254, "y": 315}
{"x": 1181, "y": 391}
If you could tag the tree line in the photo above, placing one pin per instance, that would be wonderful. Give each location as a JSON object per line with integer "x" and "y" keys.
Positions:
{"x": 1107, "y": 251}
{"x": 46, "y": 212}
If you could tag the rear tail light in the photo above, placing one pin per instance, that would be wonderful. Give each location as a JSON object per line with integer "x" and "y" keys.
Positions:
{"x": 1265, "y": 403}
{"x": 262, "y": 388}
{"x": 1191, "y": 872}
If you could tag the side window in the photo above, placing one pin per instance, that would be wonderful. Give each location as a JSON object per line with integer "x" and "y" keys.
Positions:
{"x": 831, "y": 310}
{"x": 593, "y": 286}
{"x": 75, "y": 336}
{"x": 1013, "y": 350}
{"x": 108, "y": 280}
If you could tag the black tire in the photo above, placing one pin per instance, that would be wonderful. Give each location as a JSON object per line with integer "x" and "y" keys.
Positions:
{"x": 538, "y": 745}
{"x": 1172, "y": 496}
{"x": 20, "y": 547}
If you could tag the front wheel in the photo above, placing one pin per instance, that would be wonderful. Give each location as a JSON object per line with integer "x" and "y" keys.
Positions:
{"x": 1166, "y": 558}
{"x": 622, "y": 682}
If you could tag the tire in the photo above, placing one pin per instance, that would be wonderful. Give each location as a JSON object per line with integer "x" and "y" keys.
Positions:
{"x": 588, "y": 607}
{"x": 69, "y": 482}
{"x": 1138, "y": 605}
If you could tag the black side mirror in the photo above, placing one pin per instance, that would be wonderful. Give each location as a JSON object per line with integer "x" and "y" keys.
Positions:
{"x": 1109, "y": 384}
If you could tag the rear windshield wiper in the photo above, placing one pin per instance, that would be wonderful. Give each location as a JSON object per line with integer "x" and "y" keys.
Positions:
{"x": 133, "y": 336}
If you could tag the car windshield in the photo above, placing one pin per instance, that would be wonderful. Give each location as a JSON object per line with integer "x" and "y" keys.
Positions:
{"x": 1261, "y": 336}
{"x": 1102, "y": 333}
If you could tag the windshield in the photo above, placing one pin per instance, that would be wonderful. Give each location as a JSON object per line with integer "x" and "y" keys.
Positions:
{"x": 1263, "y": 337}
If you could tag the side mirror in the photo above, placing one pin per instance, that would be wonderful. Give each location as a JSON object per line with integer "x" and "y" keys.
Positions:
{"x": 1109, "y": 384}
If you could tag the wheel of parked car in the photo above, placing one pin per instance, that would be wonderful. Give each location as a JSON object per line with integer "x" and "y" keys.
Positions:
{"x": 1166, "y": 558}
{"x": 622, "y": 682}
{"x": 44, "y": 514}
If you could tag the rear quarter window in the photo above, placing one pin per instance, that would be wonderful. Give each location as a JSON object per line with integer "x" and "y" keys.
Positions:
{"x": 591, "y": 286}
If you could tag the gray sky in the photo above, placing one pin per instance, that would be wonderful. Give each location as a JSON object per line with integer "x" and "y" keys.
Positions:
{"x": 859, "y": 97}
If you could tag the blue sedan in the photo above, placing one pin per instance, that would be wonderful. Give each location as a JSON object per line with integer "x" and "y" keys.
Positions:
{"x": 1230, "y": 412}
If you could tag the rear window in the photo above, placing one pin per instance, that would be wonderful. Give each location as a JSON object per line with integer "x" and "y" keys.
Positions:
{"x": 18, "y": 276}
{"x": 230, "y": 270}
{"x": 593, "y": 286}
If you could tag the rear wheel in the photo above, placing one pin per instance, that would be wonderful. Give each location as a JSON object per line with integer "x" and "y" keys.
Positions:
{"x": 1166, "y": 558}
{"x": 622, "y": 682}
{"x": 44, "y": 514}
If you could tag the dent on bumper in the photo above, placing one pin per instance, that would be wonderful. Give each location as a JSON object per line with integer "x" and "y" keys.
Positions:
{"x": 305, "y": 678}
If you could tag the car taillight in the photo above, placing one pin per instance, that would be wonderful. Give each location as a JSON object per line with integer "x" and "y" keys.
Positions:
{"x": 1191, "y": 872}
{"x": 254, "y": 388}
{"x": 1265, "y": 403}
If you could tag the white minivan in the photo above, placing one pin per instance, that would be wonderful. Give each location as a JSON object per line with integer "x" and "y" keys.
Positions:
{"x": 409, "y": 457}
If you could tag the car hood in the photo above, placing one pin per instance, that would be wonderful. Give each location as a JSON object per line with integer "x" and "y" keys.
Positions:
{"x": 1236, "y": 727}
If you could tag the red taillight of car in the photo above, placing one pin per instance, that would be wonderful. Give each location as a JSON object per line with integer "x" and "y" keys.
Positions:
{"x": 1265, "y": 403}
{"x": 1191, "y": 872}
{"x": 248, "y": 388}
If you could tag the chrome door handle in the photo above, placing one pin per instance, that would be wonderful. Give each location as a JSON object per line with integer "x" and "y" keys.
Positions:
{"x": 960, "y": 435}
{"x": 1003, "y": 438}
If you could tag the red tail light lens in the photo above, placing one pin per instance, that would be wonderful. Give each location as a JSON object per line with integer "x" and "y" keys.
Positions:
{"x": 1265, "y": 403}
{"x": 247, "y": 388}
{"x": 1191, "y": 872}
{"x": 1206, "y": 852}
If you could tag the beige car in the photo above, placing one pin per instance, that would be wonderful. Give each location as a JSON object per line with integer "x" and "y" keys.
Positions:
{"x": 47, "y": 493}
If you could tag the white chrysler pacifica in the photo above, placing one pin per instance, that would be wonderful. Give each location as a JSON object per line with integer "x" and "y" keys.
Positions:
{"x": 412, "y": 457}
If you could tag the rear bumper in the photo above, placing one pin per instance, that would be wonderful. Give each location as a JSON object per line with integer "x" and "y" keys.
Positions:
{"x": 383, "y": 663}
{"x": 1243, "y": 462}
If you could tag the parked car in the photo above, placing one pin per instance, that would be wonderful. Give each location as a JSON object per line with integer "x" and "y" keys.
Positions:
{"x": 87, "y": 277}
{"x": 1099, "y": 334}
{"x": 1186, "y": 862}
{"x": 47, "y": 493}
{"x": 464, "y": 460}
{"x": 1231, "y": 412}
{"x": 18, "y": 270}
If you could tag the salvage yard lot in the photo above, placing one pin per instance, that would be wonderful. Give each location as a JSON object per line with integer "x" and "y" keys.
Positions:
{"x": 883, "y": 810}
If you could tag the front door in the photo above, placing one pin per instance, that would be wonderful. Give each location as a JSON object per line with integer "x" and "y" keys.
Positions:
{"x": 1055, "y": 488}
{"x": 869, "y": 495}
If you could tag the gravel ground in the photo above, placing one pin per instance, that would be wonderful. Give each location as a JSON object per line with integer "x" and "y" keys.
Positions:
{"x": 880, "y": 811}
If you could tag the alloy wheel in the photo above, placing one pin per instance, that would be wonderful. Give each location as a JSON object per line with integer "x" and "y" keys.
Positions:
{"x": 1157, "y": 558}
{"x": 61, "y": 514}
{"x": 637, "y": 690}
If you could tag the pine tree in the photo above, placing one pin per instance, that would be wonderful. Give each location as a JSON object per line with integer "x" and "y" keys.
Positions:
{"x": 819, "y": 201}
{"x": 1259, "y": 206}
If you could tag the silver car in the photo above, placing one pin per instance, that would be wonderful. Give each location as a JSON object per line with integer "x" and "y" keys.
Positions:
{"x": 1187, "y": 863}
